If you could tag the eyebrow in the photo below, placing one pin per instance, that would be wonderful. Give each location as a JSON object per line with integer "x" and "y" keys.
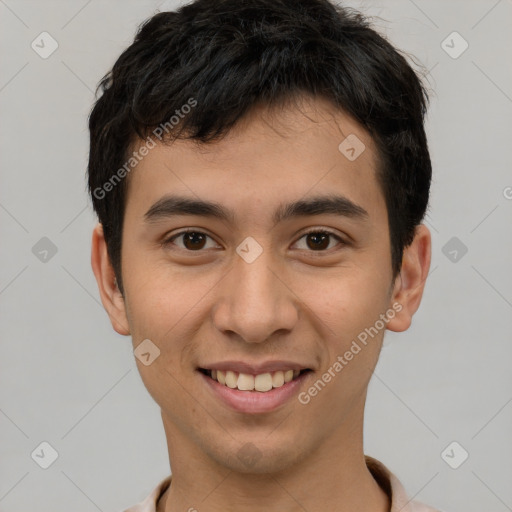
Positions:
{"x": 170, "y": 206}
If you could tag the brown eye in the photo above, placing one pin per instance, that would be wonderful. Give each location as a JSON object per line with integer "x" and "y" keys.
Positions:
{"x": 192, "y": 241}
{"x": 319, "y": 240}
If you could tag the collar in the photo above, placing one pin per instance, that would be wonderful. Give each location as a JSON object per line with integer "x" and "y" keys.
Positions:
{"x": 387, "y": 481}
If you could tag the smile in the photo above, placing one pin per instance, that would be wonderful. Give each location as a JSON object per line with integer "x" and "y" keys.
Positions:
{"x": 262, "y": 382}
{"x": 264, "y": 390}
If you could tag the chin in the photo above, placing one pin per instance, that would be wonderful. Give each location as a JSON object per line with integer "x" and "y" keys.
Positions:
{"x": 257, "y": 458}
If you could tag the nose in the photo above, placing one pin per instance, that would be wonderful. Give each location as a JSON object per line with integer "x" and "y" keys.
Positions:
{"x": 254, "y": 302}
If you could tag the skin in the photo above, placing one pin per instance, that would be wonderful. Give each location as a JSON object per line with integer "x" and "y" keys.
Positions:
{"x": 292, "y": 303}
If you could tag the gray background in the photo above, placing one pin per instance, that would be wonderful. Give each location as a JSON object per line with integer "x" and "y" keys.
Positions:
{"x": 68, "y": 379}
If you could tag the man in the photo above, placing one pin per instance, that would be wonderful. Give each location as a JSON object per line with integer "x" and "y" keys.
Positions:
{"x": 260, "y": 172}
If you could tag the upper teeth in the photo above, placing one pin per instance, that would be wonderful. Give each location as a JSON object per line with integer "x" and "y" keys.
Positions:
{"x": 261, "y": 382}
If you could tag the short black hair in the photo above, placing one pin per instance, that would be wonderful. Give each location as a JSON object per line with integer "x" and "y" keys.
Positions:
{"x": 229, "y": 56}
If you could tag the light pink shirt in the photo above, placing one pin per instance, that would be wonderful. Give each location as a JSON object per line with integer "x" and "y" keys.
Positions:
{"x": 387, "y": 480}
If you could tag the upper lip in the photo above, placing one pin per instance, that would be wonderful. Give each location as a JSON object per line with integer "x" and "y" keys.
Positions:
{"x": 255, "y": 368}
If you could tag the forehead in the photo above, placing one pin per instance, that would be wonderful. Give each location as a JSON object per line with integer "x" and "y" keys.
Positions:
{"x": 269, "y": 156}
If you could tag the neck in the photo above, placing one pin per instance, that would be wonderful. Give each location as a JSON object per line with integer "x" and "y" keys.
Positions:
{"x": 335, "y": 477}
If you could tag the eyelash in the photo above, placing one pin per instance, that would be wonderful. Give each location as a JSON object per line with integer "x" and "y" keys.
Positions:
{"x": 169, "y": 241}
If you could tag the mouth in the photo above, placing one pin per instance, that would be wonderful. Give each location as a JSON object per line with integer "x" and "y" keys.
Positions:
{"x": 264, "y": 390}
{"x": 260, "y": 383}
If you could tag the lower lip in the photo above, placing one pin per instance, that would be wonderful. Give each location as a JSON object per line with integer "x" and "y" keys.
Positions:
{"x": 255, "y": 402}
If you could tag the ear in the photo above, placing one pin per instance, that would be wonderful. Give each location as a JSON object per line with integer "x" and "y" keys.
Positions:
{"x": 111, "y": 297}
{"x": 410, "y": 283}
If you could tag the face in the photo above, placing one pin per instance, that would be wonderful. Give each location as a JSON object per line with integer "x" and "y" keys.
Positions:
{"x": 283, "y": 276}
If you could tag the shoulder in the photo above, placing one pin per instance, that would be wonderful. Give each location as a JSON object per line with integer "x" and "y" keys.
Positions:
{"x": 400, "y": 501}
{"x": 151, "y": 502}
{"x": 416, "y": 506}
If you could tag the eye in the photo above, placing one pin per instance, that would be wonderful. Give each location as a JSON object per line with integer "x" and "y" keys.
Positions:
{"x": 319, "y": 239}
{"x": 193, "y": 241}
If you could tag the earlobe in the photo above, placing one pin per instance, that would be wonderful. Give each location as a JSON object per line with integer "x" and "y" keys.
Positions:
{"x": 410, "y": 283}
{"x": 111, "y": 297}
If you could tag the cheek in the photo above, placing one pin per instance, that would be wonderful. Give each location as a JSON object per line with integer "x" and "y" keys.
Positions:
{"x": 348, "y": 302}
{"x": 351, "y": 329}
{"x": 165, "y": 306}
{"x": 160, "y": 296}
{"x": 351, "y": 341}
